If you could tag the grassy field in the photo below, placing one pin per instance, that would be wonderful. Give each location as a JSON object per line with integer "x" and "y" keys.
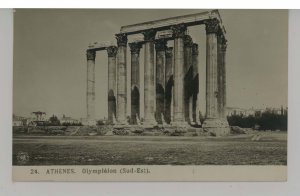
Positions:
{"x": 265, "y": 149}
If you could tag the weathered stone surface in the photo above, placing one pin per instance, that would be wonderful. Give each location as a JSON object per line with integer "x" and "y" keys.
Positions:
{"x": 149, "y": 88}
{"x": 237, "y": 130}
{"x": 90, "y": 94}
{"x": 169, "y": 85}
{"x": 188, "y": 78}
{"x": 135, "y": 81}
{"x": 121, "y": 79}
{"x": 164, "y": 24}
{"x": 112, "y": 88}
{"x": 216, "y": 126}
{"x": 179, "y": 118}
{"x": 160, "y": 47}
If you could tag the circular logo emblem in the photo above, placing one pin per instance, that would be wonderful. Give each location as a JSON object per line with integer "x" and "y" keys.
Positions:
{"x": 22, "y": 157}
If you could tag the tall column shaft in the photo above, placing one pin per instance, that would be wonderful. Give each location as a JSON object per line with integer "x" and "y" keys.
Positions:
{"x": 121, "y": 79}
{"x": 169, "y": 83}
{"x": 211, "y": 73}
{"x": 220, "y": 76}
{"x": 135, "y": 81}
{"x": 188, "y": 78}
{"x": 112, "y": 52}
{"x": 213, "y": 122}
{"x": 196, "y": 101}
{"x": 160, "y": 47}
{"x": 149, "y": 88}
{"x": 223, "y": 73}
{"x": 90, "y": 94}
{"x": 179, "y": 32}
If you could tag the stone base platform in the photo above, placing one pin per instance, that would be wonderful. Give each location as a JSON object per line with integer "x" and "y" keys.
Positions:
{"x": 216, "y": 126}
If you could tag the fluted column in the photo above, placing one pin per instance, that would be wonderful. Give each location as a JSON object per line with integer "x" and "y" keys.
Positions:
{"x": 196, "y": 101}
{"x": 169, "y": 84}
{"x": 149, "y": 88}
{"x": 179, "y": 32}
{"x": 90, "y": 94}
{"x": 213, "y": 122}
{"x": 135, "y": 81}
{"x": 223, "y": 76}
{"x": 160, "y": 48}
{"x": 121, "y": 79}
{"x": 211, "y": 69}
{"x": 112, "y": 52}
{"x": 188, "y": 78}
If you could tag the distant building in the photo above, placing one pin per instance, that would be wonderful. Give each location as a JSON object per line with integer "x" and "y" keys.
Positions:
{"x": 69, "y": 120}
{"x": 19, "y": 121}
{"x": 38, "y": 116}
{"x": 254, "y": 112}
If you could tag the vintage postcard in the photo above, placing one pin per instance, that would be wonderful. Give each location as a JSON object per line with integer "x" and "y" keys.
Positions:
{"x": 150, "y": 95}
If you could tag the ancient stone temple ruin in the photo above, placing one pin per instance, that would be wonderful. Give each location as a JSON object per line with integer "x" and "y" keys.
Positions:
{"x": 171, "y": 80}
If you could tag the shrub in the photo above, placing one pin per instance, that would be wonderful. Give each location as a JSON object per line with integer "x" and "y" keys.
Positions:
{"x": 265, "y": 121}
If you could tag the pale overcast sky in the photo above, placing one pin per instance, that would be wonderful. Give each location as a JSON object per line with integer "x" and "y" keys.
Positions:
{"x": 50, "y": 61}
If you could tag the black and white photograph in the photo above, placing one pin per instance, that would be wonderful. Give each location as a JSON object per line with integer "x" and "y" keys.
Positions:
{"x": 150, "y": 94}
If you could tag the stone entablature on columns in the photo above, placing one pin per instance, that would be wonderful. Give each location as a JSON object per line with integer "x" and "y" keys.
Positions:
{"x": 135, "y": 48}
{"x": 167, "y": 23}
{"x": 121, "y": 79}
{"x": 149, "y": 88}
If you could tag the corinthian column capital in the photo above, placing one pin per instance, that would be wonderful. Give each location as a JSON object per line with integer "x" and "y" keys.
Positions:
{"x": 90, "y": 54}
{"x": 160, "y": 45}
{"x": 149, "y": 35}
{"x": 211, "y": 26}
{"x": 112, "y": 51}
{"x": 135, "y": 47}
{"x": 121, "y": 39}
{"x": 178, "y": 30}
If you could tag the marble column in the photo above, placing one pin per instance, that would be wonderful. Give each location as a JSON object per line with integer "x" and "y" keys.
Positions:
{"x": 211, "y": 69}
{"x": 188, "y": 78}
{"x": 90, "y": 94}
{"x": 121, "y": 79}
{"x": 160, "y": 48}
{"x": 169, "y": 70}
{"x": 213, "y": 122}
{"x": 112, "y": 52}
{"x": 223, "y": 76}
{"x": 135, "y": 81}
{"x": 178, "y": 33}
{"x": 196, "y": 101}
{"x": 149, "y": 88}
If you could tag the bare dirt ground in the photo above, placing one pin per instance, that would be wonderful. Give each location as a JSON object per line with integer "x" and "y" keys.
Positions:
{"x": 263, "y": 148}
